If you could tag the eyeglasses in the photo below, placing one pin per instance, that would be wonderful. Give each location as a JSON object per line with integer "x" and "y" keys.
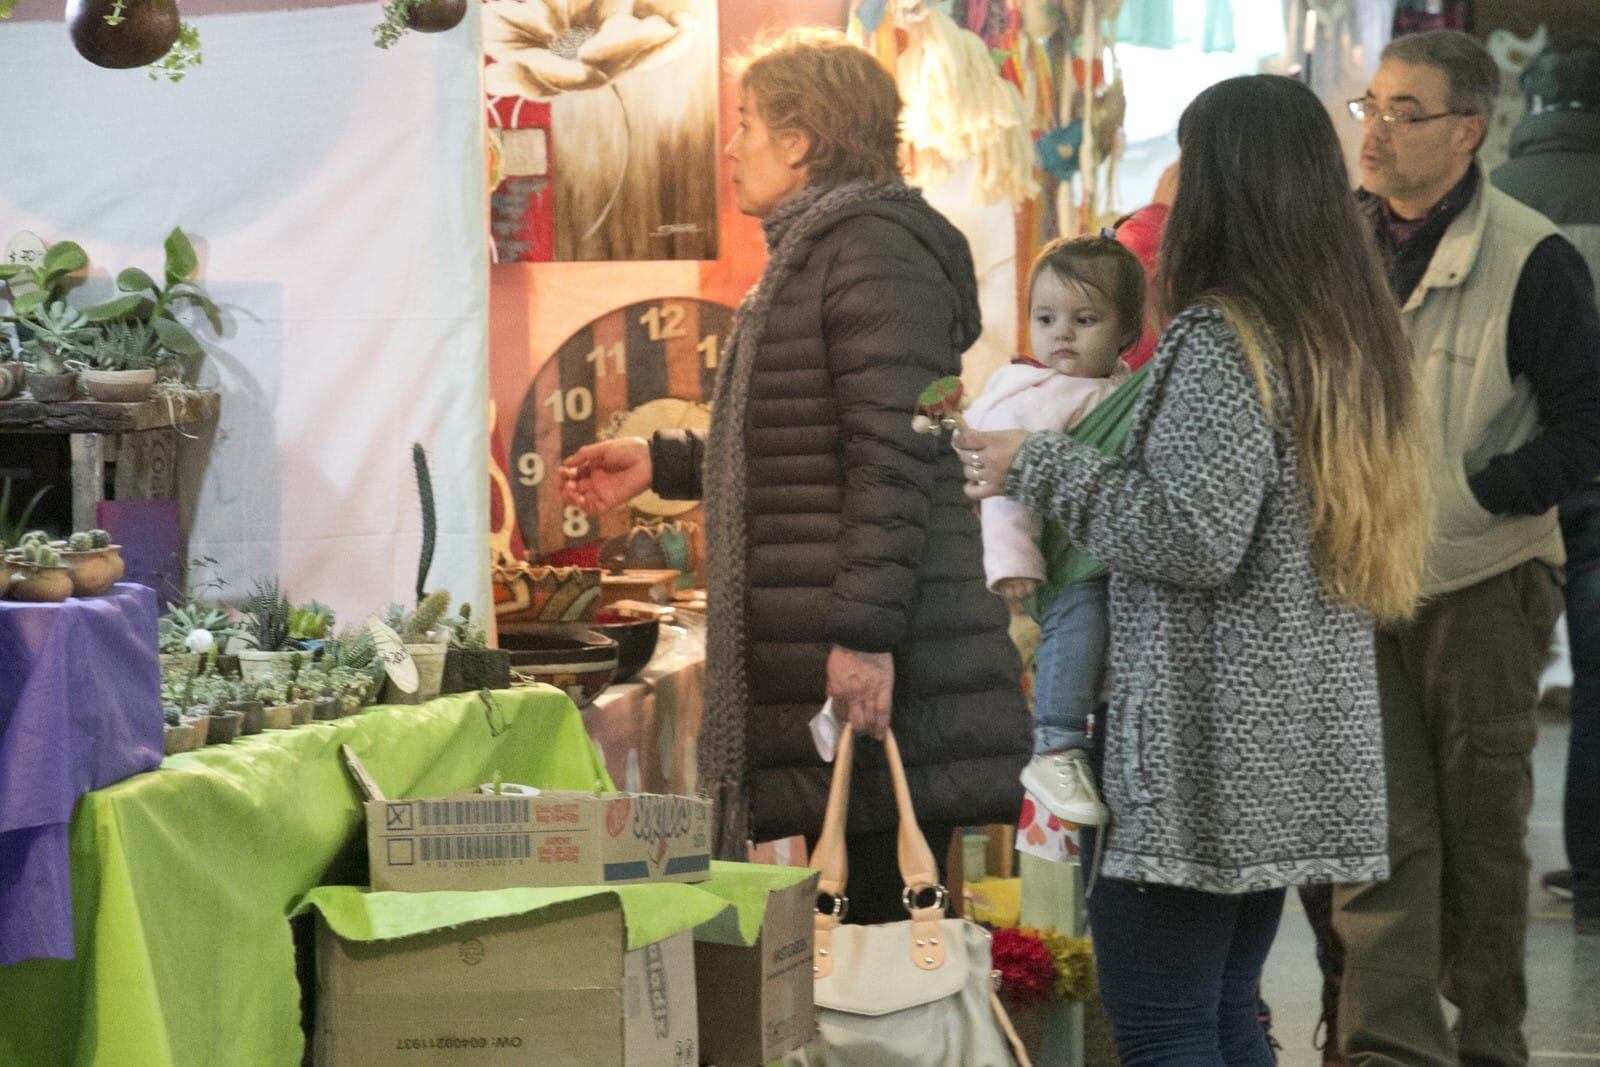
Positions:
{"x": 1362, "y": 111}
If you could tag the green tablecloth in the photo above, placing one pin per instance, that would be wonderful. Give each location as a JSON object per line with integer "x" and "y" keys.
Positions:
{"x": 183, "y": 878}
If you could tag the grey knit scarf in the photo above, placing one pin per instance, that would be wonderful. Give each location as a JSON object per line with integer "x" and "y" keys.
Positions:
{"x": 722, "y": 746}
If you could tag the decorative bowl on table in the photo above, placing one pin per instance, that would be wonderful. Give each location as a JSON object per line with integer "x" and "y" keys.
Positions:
{"x": 94, "y": 571}
{"x": 524, "y": 592}
{"x": 572, "y": 657}
{"x": 635, "y": 637}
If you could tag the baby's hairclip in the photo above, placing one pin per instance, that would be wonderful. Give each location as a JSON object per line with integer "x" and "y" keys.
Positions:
{"x": 1107, "y": 233}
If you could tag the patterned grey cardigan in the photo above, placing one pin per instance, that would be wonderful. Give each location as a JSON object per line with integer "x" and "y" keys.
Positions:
{"x": 1243, "y": 749}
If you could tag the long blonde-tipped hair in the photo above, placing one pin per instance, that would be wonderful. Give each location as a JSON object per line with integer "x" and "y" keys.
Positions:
{"x": 1265, "y": 227}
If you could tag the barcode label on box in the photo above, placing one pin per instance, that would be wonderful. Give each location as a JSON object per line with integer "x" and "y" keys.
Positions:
{"x": 475, "y": 847}
{"x": 475, "y": 810}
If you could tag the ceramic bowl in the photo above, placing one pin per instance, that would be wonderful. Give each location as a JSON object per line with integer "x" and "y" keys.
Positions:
{"x": 573, "y": 658}
{"x": 636, "y": 640}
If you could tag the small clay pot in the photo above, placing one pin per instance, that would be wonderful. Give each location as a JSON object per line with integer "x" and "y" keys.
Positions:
{"x": 93, "y": 572}
{"x": 148, "y": 30}
{"x": 224, "y": 727}
{"x": 254, "y": 713}
{"x": 199, "y": 730}
{"x": 52, "y": 388}
{"x": 300, "y": 712}
{"x": 325, "y": 710}
{"x": 114, "y": 553}
{"x": 40, "y": 585}
{"x": 13, "y": 376}
{"x": 277, "y": 717}
{"x": 120, "y": 386}
{"x": 176, "y": 739}
{"x": 436, "y": 16}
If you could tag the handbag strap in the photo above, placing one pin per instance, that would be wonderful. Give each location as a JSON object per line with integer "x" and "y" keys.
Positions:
{"x": 918, "y": 869}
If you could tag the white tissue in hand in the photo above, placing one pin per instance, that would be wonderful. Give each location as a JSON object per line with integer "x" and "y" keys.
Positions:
{"x": 825, "y": 731}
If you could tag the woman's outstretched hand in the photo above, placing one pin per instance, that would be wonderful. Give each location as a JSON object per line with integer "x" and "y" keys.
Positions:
{"x": 986, "y": 459}
{"x": 606, "y": 474}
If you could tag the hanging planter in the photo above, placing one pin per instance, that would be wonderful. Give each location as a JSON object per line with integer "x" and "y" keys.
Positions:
{"x": 123, "y": 33}
{"x": 424, "y": 16}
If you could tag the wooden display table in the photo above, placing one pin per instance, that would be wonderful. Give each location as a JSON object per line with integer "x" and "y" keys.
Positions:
{"x": 138, "y": 441}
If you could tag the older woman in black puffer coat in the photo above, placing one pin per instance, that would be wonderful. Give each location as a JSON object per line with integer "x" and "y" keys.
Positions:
{"x": 843, "y": 559}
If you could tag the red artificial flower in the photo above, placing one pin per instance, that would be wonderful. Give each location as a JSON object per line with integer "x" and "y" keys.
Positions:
{"x": 1027, "y": 970}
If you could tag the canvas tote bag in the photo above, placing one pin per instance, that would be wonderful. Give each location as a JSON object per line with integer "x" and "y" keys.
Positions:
{"x": 919, "y": 993}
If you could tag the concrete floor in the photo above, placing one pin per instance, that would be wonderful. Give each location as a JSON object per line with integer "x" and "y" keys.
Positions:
{"x": 1563, "y": 1024}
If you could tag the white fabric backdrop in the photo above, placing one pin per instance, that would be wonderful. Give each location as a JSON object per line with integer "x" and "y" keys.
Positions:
{"x": 336, "y": 195}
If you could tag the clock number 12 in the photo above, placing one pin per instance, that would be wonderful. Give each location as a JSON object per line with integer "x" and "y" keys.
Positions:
{"x": 664, "y": 321}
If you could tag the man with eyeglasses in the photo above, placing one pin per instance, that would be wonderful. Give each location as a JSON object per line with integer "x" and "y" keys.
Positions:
{"x": 1555, "y": 169}
{"x": 1501, "y": 314}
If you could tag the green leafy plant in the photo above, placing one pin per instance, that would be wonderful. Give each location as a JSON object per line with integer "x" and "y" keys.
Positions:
{"x": 394, "y": 26}
{"x": 35, "y": 286}
{"x": 12, "y": 528}
{"x": 155, "y": 304}
{"x": 181, "y": 58}
{"x": 266, "y": 616}
{"x": 310, "y": 622}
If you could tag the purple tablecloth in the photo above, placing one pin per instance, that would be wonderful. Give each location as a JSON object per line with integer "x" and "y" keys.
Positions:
{"x": 80, "y": 708}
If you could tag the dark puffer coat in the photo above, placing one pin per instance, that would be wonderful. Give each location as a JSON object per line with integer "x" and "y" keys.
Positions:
{"x": 860, "y": 535}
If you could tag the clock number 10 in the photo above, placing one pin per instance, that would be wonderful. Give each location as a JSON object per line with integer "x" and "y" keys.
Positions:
{"x": 576, "y": 404}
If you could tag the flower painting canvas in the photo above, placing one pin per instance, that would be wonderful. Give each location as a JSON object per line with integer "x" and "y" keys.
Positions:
{"x": 603, "y": 138}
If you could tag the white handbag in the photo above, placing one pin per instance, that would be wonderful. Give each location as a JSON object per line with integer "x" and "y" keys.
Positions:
{"x": 919, "y": 993}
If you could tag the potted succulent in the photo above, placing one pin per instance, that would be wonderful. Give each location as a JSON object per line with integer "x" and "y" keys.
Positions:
{"x": 95, "y": 562}
{"x": 318, "y": 685}
{"x": 13, "y": 376}
{"x": 470, "y": 664}
{"x": 13, "y": 528}
{"x": 310, "y": 625}
{"x": 37, "y": 573}
{"x": 352, "y": 658}
{"x": 56, "y": 336}
{"x": 420, "y": 630}
{"x": 121, "y": 34}
{"x": 182, "y": 623}
{"x": 177, "y": 735}
{"x": 265, "y": 631}
{"x": 123, "y": 359}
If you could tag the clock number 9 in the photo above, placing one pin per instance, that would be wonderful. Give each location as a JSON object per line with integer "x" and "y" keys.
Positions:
{"x": 574, "y": 522}
{"x": 664, "y": 321}
{"x": 530, "y": 469}
{"x": 576, "y": 404}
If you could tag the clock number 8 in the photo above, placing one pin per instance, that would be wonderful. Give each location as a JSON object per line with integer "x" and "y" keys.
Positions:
{"x": 574, "y": 522}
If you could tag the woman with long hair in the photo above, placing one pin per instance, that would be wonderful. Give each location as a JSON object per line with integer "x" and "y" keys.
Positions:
{"x": 1268, "y": 506}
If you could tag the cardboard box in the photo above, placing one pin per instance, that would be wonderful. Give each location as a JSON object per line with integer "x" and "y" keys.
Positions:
{"x": 756, "y": 1001}
{"x": 519, "y": 990}
{"x": 473, "y": 841}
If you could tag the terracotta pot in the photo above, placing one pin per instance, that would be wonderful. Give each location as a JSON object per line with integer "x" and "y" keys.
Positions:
{"x": 260, "y": 666}
{"x": 120, "y": 386}
{"x": 13, "y": 376}
{"x": 278, "y": 717}
{"x": 41, "y": 585}
{"x": 572, "y": 658}
{"x": 224, "y": 727}
{"x": 52, "y": 388}
{"x": 254, "y": 713}
{"x": 436, "y": 16}
{"x": 93, "y": 572}
{"x": 300, "y": 712}
{"x": 176, "y": 739}
{"x": 146, "y": 33}
{"x": 114, "y": 553}
{"x": 199, "y": 730}
{"x": 6, "y": 570}
{"x": 430, "y": 675}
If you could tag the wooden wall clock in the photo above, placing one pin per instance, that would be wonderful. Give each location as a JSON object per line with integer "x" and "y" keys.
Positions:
{"x": 640, "y": 368}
